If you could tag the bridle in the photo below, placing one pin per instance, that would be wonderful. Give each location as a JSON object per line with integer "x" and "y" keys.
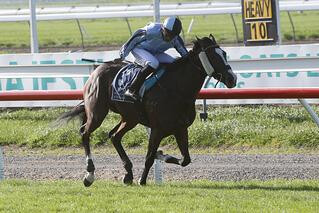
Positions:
{"x": 205, "y": 62}
{"x": 209, "y": 69}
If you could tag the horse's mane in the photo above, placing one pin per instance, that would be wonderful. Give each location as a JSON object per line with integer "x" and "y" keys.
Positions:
{"x": 177, "y": 62}
{"x": 181, "y": 60}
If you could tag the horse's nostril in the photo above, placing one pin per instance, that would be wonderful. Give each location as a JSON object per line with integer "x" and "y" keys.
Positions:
{"x": 231, "y": 83}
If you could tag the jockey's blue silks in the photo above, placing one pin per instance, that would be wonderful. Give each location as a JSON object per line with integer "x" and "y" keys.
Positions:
{"x": 150, "y": 38}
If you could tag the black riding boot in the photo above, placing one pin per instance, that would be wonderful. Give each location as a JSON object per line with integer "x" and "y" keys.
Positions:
{"x": 134, "y": 88}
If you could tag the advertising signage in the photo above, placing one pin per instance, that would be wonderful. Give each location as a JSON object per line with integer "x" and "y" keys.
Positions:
{"x": 260, "y": 22}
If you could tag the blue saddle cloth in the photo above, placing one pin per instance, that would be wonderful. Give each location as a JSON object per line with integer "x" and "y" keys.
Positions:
{"x": 125, "y": 77}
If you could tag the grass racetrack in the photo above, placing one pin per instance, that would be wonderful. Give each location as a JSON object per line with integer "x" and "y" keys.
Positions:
{"x": 264, "y": 126}
{"x": 228, "y": 128}
{"x": 195, "y": 196}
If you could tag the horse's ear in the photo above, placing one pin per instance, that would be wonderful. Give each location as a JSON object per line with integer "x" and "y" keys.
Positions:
{"x": 197, "y": 38}
{"x": 212, "y": 38}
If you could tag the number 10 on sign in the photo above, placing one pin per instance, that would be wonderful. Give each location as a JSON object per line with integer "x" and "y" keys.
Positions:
{"x": 258, "y": 31}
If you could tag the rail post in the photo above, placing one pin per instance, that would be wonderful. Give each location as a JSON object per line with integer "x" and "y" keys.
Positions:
{"x": 157, "y": 15}
{"x": 33, "y": 27}
{"x": 312, "y": 113}
{"x": 158, "y": 171}
{"x": 1, "y": 165}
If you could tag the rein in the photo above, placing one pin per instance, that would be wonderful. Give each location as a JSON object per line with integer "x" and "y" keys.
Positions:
{"x": 192, "y": 63}
{"x": 191, "y": 58}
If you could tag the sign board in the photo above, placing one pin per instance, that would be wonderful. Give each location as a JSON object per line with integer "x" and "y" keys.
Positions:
{"x": 293, "y": 78}
{"x": 260, "y": 22}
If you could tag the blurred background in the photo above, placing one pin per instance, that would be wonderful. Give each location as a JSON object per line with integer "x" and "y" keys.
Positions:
{"x": 110, "y": 33}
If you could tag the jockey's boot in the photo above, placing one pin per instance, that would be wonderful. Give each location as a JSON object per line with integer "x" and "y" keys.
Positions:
{"x": 134, "y": 88}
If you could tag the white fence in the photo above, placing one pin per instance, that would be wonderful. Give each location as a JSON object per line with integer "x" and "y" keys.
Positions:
{"x": 271, "y": 66}
{"x": 208, "y": 8}
{"x": 240, "y": 66}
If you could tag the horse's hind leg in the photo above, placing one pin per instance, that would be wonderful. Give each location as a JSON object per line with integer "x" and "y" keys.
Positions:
{"x": 95, "y": 111}
{"x": 91, "y": 124}
{"x": 116, "y": 138}
{"x": 181, "y": 136}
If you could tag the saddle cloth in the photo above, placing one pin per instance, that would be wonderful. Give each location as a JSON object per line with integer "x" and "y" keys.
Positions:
{"x": 124, "y": 78}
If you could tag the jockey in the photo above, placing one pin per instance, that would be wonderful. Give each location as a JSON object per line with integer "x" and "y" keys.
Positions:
{"x": 148, "y": 45}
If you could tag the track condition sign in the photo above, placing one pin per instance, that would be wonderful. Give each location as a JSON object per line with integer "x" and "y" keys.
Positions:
{"x": 259, "y": 22}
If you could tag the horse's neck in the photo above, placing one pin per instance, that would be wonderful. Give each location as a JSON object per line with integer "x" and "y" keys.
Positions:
{"x": 189, "y": 79}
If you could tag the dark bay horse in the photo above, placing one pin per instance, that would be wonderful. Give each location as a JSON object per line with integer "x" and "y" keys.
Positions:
{"x": 168, "y": 108}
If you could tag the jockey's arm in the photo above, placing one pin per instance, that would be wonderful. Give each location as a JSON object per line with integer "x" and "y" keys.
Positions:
{"x": 137, "y": 37}
{"x": 180, "y": 46}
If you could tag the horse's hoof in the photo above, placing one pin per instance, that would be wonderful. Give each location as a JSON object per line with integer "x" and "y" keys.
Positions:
{"x": 88, "y": 179}
{"x": 185, "y": 162}
{"x": 128, "y": 179}
{"x": 86, "y": 182}
{"x": 142, "y": 182}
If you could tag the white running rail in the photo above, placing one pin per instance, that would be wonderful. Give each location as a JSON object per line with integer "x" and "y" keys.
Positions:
{"x": 187, "y": 9}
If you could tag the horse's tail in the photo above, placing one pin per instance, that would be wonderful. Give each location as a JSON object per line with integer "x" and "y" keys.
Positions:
{"x": 77, "y": 111}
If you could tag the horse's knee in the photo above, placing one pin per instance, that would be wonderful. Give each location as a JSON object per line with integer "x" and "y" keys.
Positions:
{"x": 115, "y": 141}
{"x": 82, "y": 129}
{"x": 110, "y": 134}
{"x": 150, "y": 159}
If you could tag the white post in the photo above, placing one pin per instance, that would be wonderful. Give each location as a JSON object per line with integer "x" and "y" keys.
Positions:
{"x": 33, "y": 27}
{"x": 312, "y": 113}
{"x": 158, "y": 171}
{"x": 157, "y": 15}
{"x": 1, "y": 165}
{"x": 190, "y": 26}
{"x": 158, "y": 168}
{"x": 278, "y": 21}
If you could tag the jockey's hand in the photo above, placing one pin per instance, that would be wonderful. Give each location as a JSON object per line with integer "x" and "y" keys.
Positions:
{"x": 117, "y": 60}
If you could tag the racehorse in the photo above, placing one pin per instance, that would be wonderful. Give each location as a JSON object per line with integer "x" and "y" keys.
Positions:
{"x": 168, "y": 108}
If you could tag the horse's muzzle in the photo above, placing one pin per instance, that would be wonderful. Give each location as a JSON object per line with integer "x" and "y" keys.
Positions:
{"x": 231, "y": 80}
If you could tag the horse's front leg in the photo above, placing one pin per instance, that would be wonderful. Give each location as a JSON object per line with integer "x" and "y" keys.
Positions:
{"x": 181, "y": 136}
{"x": 154, "y": 142}
{"x": 116, "y": 138}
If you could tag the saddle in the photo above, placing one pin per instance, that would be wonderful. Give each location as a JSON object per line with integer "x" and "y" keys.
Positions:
{"x": 126, "y": 75}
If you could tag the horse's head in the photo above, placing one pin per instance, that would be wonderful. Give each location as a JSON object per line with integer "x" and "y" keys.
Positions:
{"x": 214, "y": 60}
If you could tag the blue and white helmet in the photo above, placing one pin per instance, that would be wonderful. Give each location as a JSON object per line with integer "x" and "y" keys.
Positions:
{"x": 173, "y": 24}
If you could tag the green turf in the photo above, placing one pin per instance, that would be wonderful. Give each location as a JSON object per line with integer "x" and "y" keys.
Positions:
{"x": 195, "y": 196}
{"x": 104, "y": 32}
{"x": 266, "y": 127}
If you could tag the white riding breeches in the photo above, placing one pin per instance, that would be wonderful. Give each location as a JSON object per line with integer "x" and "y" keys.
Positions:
{"x": 143, "y": 58}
